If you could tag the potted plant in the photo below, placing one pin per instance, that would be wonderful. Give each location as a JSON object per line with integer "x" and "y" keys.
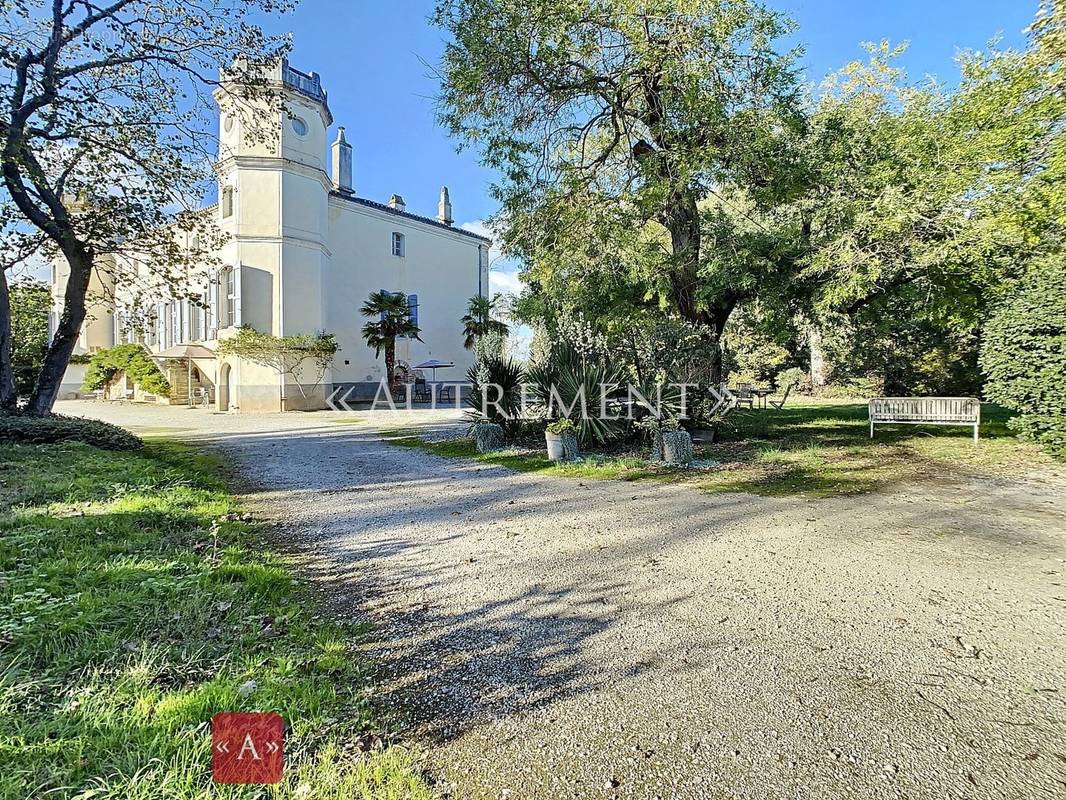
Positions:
{"x": 671, "y": 444}
{"x": 561, "y": 438}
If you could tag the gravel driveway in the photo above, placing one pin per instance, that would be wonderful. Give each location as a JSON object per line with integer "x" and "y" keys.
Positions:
{"x": 565, "y": 639}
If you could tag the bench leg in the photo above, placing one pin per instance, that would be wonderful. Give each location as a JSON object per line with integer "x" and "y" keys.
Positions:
{"x": 975, "y": 427}
{"x": 871, "y": 429}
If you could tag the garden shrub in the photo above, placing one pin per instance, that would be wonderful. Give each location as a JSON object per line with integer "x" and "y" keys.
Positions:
{"x": 502, "y": 405}
{"x": 26, "y": 429}
{"x": 134, "y": 360}
{"x": 1023, "y": 355}
{"x": 570, "y": 384}
{"x": 861, "y": 388}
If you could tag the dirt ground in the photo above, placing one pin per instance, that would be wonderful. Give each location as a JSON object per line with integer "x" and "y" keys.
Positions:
{"x": 553, "y": 638}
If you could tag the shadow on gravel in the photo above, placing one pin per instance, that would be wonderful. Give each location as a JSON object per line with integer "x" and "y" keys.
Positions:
{"x": 396, "y": 537}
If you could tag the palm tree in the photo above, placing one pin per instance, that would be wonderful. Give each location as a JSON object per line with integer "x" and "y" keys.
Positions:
{"x": 391, "y": 317}
{"x": 478, "y": 320}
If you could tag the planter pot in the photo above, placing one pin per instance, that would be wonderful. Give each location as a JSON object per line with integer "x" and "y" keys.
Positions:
{"x": 703, "y": 435}
{"x": 677, "y": 448}
{"x": 561, "y": 447}
{"x": 488, "y": 437}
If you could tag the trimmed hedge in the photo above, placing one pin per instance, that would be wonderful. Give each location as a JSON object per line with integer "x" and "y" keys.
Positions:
{"x": 26, "y": 429}
{"x": 1023, "y": 355}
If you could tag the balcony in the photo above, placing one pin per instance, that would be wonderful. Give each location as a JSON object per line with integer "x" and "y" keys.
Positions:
{"x": 307, "y": 84}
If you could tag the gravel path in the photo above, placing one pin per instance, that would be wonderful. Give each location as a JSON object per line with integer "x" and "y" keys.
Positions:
{"x": 565, "y": 639}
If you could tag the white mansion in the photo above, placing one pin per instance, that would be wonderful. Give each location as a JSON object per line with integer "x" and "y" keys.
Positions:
{"x": 301, "y": 254}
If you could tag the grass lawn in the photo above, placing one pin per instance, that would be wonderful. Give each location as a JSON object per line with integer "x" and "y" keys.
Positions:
{"x": 136, "y": 601}
{"x": 817, "y": 448}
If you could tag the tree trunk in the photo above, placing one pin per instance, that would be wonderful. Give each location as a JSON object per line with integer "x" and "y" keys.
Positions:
{"x": 814, "y": 341}
{"x": 67, "y": 332}
{"x": 8, "y": 398}
{"x": 390, "y": 361}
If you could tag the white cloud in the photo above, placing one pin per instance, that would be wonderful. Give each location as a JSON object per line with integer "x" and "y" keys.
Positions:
{"x": 505, "y": 283}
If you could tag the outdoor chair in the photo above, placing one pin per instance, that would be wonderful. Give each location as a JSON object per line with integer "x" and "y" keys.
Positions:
{"x": 422, "y": 394}
{"x": 744, "y": 396}
{"x": 779, "y": 404}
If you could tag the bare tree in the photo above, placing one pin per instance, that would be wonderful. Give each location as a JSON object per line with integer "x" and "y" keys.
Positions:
{"x": 107, "y": 138}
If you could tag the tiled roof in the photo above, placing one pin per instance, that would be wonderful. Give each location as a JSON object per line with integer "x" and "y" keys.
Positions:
{"x": 426, "y": 220}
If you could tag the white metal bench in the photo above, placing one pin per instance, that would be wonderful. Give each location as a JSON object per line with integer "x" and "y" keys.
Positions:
{"x": 925, "y": 411}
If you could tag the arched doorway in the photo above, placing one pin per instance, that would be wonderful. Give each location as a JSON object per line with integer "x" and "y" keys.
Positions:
{"x": 224, "y": 387}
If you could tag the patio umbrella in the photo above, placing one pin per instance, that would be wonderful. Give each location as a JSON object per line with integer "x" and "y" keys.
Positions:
{"x": 434, "y": 364}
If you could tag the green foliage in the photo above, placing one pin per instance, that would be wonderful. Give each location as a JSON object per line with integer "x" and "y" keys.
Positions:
{"x": 281, "y": 351}
{"x": 939, "y": 201}
{"x": 575, "y": 385}
{"x": 289, "y": 356}
{"x": 137, "y": 602}
{"x": 479, "y": 321}
{"x": 390, "y": 316}
{"x": 131, "y": 359}
{"x": 561, "y": 426}
{"x": 1024, "y": 355}
{"x": 795, "y": 377}
{"x": 26, "y": 429}
{"x": 751, "y": 354}
{"x": 898, "y": 348}
{"x": 496, "y": 392}
{"x": 644, "y": 148}
{"x": 30, "y": 304}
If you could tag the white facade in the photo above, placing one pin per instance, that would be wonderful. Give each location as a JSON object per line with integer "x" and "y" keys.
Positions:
{"x": 302, "y": 253}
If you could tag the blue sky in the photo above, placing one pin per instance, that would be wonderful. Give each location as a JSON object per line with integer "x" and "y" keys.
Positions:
{"x": 376, "y": 61}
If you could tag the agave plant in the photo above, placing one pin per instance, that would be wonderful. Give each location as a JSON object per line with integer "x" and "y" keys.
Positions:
{"x": 496, "y": 392}
{"x": 574, "y": 386}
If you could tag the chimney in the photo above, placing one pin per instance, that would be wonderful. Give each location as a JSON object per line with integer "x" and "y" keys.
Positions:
{"x": 444, "y": 207}
{"x": 342, "y": 164}
{"x": 396, "y": 203}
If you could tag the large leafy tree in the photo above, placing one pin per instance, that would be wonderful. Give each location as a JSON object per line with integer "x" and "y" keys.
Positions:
{"x": 105, "y": 138}
{"x": 634, "y": 139}
{"x": 1023, "y": 100}
{"x": 934, "y": 204}
{"x": 390, "y": 317}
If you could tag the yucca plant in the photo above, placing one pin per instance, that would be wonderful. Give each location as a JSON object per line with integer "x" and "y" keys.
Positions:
{"x": 496, "y": 392}
{"x": 573, "y": 386}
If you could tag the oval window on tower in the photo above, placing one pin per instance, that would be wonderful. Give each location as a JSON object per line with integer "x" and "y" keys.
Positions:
{"x": 299, "y": 126}
{"x": 228, "y": 123}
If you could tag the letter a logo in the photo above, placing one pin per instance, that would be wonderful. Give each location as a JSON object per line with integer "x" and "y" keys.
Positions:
{"x": 246, "y": 748}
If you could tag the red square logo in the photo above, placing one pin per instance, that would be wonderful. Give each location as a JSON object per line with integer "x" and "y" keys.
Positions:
{"x": 247, "y": 748}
